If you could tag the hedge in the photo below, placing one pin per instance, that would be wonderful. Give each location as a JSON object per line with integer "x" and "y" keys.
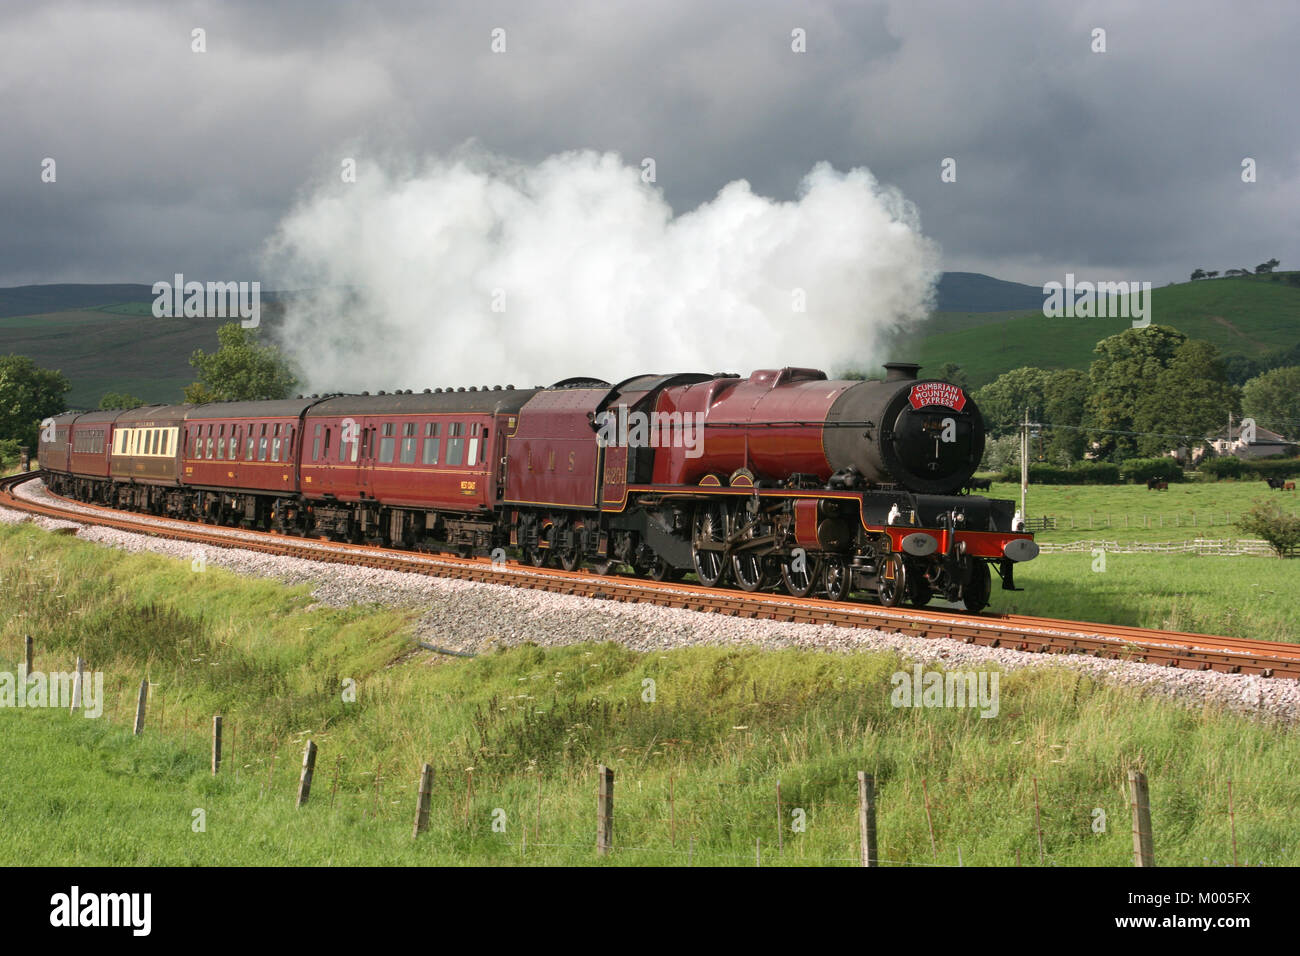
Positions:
{"x": 1141, "y": 470}
{"x": 1084, "y": 473}
{"x": 1228, "y": 467}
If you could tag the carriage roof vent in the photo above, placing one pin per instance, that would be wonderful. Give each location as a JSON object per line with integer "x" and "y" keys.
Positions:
{"x": 428, "y": 391}
{"x": 365, "y": 393}
{"x": 510, "y": 388}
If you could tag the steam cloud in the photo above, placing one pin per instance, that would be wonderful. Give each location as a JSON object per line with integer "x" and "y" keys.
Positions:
{"x": 594, "y": 273}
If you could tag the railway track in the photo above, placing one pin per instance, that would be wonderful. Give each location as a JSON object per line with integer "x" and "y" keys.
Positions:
{"x": 1041, "y": 635}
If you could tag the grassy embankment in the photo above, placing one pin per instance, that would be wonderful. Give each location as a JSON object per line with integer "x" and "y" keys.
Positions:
{"x": 725, "y": 726}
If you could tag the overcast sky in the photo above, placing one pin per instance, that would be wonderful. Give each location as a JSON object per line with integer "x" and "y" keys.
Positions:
{"x": 1122, "y": 164}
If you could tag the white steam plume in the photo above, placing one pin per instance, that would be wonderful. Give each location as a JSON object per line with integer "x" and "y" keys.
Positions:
{"x": 591, "y": 274}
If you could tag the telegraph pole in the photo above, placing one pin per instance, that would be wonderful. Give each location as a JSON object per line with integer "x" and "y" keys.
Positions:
{"x": 1024, "y": 465}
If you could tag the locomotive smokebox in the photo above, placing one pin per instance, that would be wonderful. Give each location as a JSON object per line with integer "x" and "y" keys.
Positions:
{"x": 925, "y": 435}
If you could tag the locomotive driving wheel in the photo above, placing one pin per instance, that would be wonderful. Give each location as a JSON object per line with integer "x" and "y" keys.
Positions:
{"x": 751, "y": 572}
{"x": 893, "y": 581}
{"x": 710, "y": 527}
{"x": 800, "y": 583}
{"x": 835, "y": 578}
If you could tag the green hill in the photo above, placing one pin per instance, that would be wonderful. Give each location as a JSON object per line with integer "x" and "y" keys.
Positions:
{"x": 1241, "y": 316}
{"x": 115, "y": 348}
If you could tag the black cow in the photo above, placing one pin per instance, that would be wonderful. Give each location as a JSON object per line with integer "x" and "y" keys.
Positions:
{"x": 1275, "y": 484}
{"x": 979, "y": 484}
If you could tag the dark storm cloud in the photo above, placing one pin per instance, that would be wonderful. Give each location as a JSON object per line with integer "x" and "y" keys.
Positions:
{"x": 1120, "y": 164}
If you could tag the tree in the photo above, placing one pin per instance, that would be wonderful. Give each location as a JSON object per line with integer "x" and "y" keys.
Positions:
{"x": 1190, "y": 398}
{"x": 952, "y": 372}
{"x": 1064, "y": 402}
{"x": 1126, "y": 367}
{"x": 28, "y": 395}
{"x": 1273, "y": 400}
{"x": 1211, "y": 275}
{"x": 1198, "y": 274}
{"x": 1278, "y": 527}
{"x": 1241, "y": 369}
{"x": 113, "y": 400}
{"x": 1266, "y": 267}
{"x": 241, "y": 369}
{"x": 1003, "y": 401}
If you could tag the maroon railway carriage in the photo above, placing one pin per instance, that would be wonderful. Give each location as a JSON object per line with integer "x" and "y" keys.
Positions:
{"x": 241, "y": 462}
{"x": 52, "y": 451}
{"x": 410, "y": 469}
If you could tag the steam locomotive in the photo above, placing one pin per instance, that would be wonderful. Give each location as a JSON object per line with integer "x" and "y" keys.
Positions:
{"x": 781, "y": 479}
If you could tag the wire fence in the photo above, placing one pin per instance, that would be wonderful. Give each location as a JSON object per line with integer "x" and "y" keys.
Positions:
{"x": 1097, "y": 521}
{"x": 1219, "y": 546}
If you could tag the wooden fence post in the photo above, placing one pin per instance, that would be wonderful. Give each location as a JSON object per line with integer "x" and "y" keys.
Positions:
{"x": 867, "y": 819}
{"x": 216, "y": 743}
{"x": 1143, "y": 843}
{"x": 422, "y": 801}
{"x": 140, "y": 705}
{"x": 934, "y": 851}
{"x": 780, "y": 822}
{"x": 605, "y": 811}
{"x": 1038, "y": 827}
{"x": 308, "y": 767}
{"x": 28, "y": 652}
{"x": 77, "y": 683}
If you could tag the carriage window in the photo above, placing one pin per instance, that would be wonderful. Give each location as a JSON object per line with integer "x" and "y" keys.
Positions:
{"x": 261, "y": 444}
{"x": 388, "y": 442}
{"x": 472, "y": 456}
{"x": 325, "y": 452}
{"x": 315, "y": 445}
{"x": 221, "y": 442}
{"x": 275, "y": 445}
{"x": 408, "y": 443}
{"x": 210, "y": 442}
{"x": 288, "y": 443}
{"x": 431, "y": 442}
{"x": 455, "y": 443}
{"x": 344, "y": 432}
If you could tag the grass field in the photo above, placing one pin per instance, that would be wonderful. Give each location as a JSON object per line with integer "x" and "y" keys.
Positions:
{"x": 1238, "y": 596}
{"x": 1190, "y": 510}
{"x": 697, "y": 768}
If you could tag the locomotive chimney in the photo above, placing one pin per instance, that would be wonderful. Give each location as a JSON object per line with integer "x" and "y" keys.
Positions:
{"x": 901, "y": 371}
